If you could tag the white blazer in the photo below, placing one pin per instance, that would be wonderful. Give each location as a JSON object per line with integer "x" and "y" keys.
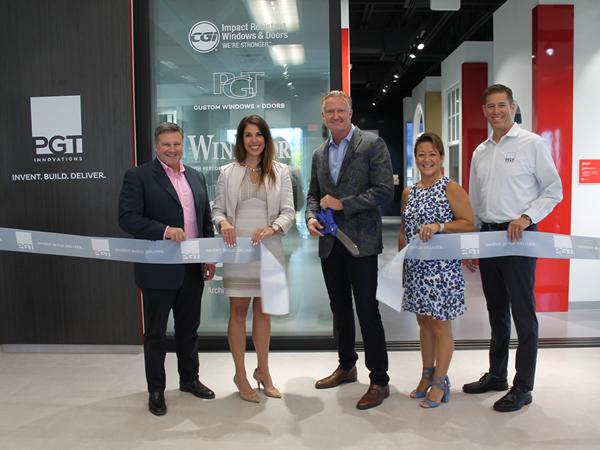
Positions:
{"x": 280, "y": 199}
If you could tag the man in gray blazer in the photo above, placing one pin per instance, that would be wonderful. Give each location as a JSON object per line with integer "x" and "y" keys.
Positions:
{"x": 352, "y": 175}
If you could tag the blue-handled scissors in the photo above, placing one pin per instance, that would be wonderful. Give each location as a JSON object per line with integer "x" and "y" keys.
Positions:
{"x": 325, "y": 218}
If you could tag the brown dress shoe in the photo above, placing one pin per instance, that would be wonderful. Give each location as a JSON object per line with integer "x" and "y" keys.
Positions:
{"x": 374, "y": 396}
{"x": 338, "y": 377}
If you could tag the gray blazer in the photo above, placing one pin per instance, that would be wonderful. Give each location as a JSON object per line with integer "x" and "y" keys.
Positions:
{"x": 364, "y": 184}
{"x": 280, "y": 199}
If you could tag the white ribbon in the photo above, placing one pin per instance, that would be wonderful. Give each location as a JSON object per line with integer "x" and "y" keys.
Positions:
{"x": 274, "y": 289}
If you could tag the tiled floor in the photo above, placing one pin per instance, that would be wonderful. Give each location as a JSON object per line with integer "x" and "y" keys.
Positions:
{"x": 87, "y": 401}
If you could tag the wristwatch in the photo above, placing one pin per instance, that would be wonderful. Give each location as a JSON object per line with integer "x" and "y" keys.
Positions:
{"x": 525, "y": 216}
{"x": 276, "y": 228}
{"x": 442, "y": 225}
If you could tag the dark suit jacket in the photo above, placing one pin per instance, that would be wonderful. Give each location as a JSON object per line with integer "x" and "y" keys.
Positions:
{"x": 147, "y": 204}
{"x": 365, "y": 182}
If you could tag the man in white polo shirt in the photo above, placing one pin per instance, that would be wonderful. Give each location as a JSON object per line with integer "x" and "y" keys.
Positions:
{"x": 513, "y": 185}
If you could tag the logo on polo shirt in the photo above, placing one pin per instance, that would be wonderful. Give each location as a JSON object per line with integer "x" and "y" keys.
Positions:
{"x": 190, "y": 251}
{"x": 24, "y": 240}
{"x": 101, "y": 247}
{"x": 563, "y": 245}
{"x": 469, "y": 245}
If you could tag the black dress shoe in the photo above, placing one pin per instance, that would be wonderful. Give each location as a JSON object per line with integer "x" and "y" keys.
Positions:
{"x": 486, "y": 383}
{"x": 514, "y": 400}
{"x": 156, "y": 403}
{"x": 196, "y": 388}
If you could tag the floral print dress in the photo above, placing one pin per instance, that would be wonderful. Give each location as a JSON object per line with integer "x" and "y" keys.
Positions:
{"x": 433, "y": 287}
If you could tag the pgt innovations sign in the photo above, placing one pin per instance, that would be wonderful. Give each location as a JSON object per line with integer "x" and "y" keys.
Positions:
{"x": 56, "y": 128}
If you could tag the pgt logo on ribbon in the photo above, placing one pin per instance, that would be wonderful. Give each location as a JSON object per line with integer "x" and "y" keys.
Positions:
{"x": 190, "y": 251}
{"x": 24, "y": 240}
{"x": 563, "y": 246}
{"x": 101, "y": 247}
{"x": 204, "y": 36}
{"x": 469, "y": 245}
{"x": 238, "y": 87}
{"x": 56, "y": 127}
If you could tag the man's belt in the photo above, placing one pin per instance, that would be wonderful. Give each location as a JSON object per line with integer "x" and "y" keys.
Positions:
{"x": 325, "y": 218}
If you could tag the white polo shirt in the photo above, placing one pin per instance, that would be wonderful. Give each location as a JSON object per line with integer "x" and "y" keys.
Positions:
{"x": 512, "y": 177}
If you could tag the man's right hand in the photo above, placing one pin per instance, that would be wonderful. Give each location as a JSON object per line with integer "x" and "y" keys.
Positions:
{"x": 314, "y": 226}
{"x": 175, "y": 234}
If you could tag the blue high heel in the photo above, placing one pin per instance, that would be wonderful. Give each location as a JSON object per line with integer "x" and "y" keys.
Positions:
{"x": 443, "y": 384}
{"x": 427, "y": 375}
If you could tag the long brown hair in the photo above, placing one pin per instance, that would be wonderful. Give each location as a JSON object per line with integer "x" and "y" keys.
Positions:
{"x": 268, "y": 154}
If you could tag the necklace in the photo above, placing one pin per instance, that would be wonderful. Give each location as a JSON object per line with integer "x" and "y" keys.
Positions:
{"x": 252, "y": 169}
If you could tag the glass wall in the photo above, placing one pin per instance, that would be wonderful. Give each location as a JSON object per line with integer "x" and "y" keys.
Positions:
{"x": 213, "y": 63}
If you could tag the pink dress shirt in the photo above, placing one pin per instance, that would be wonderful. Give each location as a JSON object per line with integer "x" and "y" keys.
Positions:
{"x": 186, "y": 198}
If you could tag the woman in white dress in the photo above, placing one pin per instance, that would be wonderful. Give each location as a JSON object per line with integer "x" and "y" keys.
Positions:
{"x": 254, "y": 199}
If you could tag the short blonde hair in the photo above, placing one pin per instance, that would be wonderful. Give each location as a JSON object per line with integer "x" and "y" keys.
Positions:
{"x": 341, "y": 94}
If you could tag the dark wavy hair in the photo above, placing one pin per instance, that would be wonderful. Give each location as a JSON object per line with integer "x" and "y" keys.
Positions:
{"x": 433, "y": 139}
{"x": 268, "y": 154}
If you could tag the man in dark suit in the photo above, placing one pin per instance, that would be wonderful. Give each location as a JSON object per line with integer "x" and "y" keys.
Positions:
{"x": 163, "y": 199}
{"x": 352, "y": 175}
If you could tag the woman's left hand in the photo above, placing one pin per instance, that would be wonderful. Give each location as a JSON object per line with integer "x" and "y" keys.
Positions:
{"x": 428, "y": 230}
{"x": 261, "y": 233}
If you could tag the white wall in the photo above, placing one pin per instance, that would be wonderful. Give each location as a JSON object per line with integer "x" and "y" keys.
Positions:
{"x": 451, "y": 76}
{"x": 512, "y": 52}
{"x": 512, "y": 66}
{"x": 429, "y": 84}
{"x": 585, "y": 217}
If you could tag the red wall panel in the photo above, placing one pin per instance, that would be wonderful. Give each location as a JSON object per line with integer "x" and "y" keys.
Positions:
{"x": 474, "y": 80}
{"x": 552, "y": 77}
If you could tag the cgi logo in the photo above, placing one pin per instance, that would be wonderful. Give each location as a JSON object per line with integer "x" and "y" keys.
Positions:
{"x": 204, "y": 37}
{"x": 243, "y": 86}
{"x": 24, "y": 240}
{"x": 101, "y": 247}
{"x": 469, "y": 245}
{"x": 563, "y": 246}
{"x": 56, "y": 125}
{"x": 190, "y": 250}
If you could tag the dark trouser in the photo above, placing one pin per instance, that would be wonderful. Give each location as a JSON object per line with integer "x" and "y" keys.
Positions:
{"x": 185, "y": 303}
{"x": 346, "y": 275}
{"x": 508, "y": 284}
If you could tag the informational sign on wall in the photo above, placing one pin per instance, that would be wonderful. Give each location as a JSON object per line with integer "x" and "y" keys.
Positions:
{"x": 589, "y": 171}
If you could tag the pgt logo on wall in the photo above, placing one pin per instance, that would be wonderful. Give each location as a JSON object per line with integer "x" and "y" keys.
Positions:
{"x": 204, "y": 37}
{"x": 56, "y": 128}
{"x": 244, "y": 85}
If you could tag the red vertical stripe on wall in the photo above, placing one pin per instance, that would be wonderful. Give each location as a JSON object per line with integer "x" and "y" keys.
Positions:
{"x": 474, "y": 80}
{"x": 552, "y": 64}
{"x": 346, "y": 60}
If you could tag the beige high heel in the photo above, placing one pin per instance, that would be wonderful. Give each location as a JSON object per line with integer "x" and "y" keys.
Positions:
{"x": 251, "y": 397}
{"x": 269, "y": 391}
